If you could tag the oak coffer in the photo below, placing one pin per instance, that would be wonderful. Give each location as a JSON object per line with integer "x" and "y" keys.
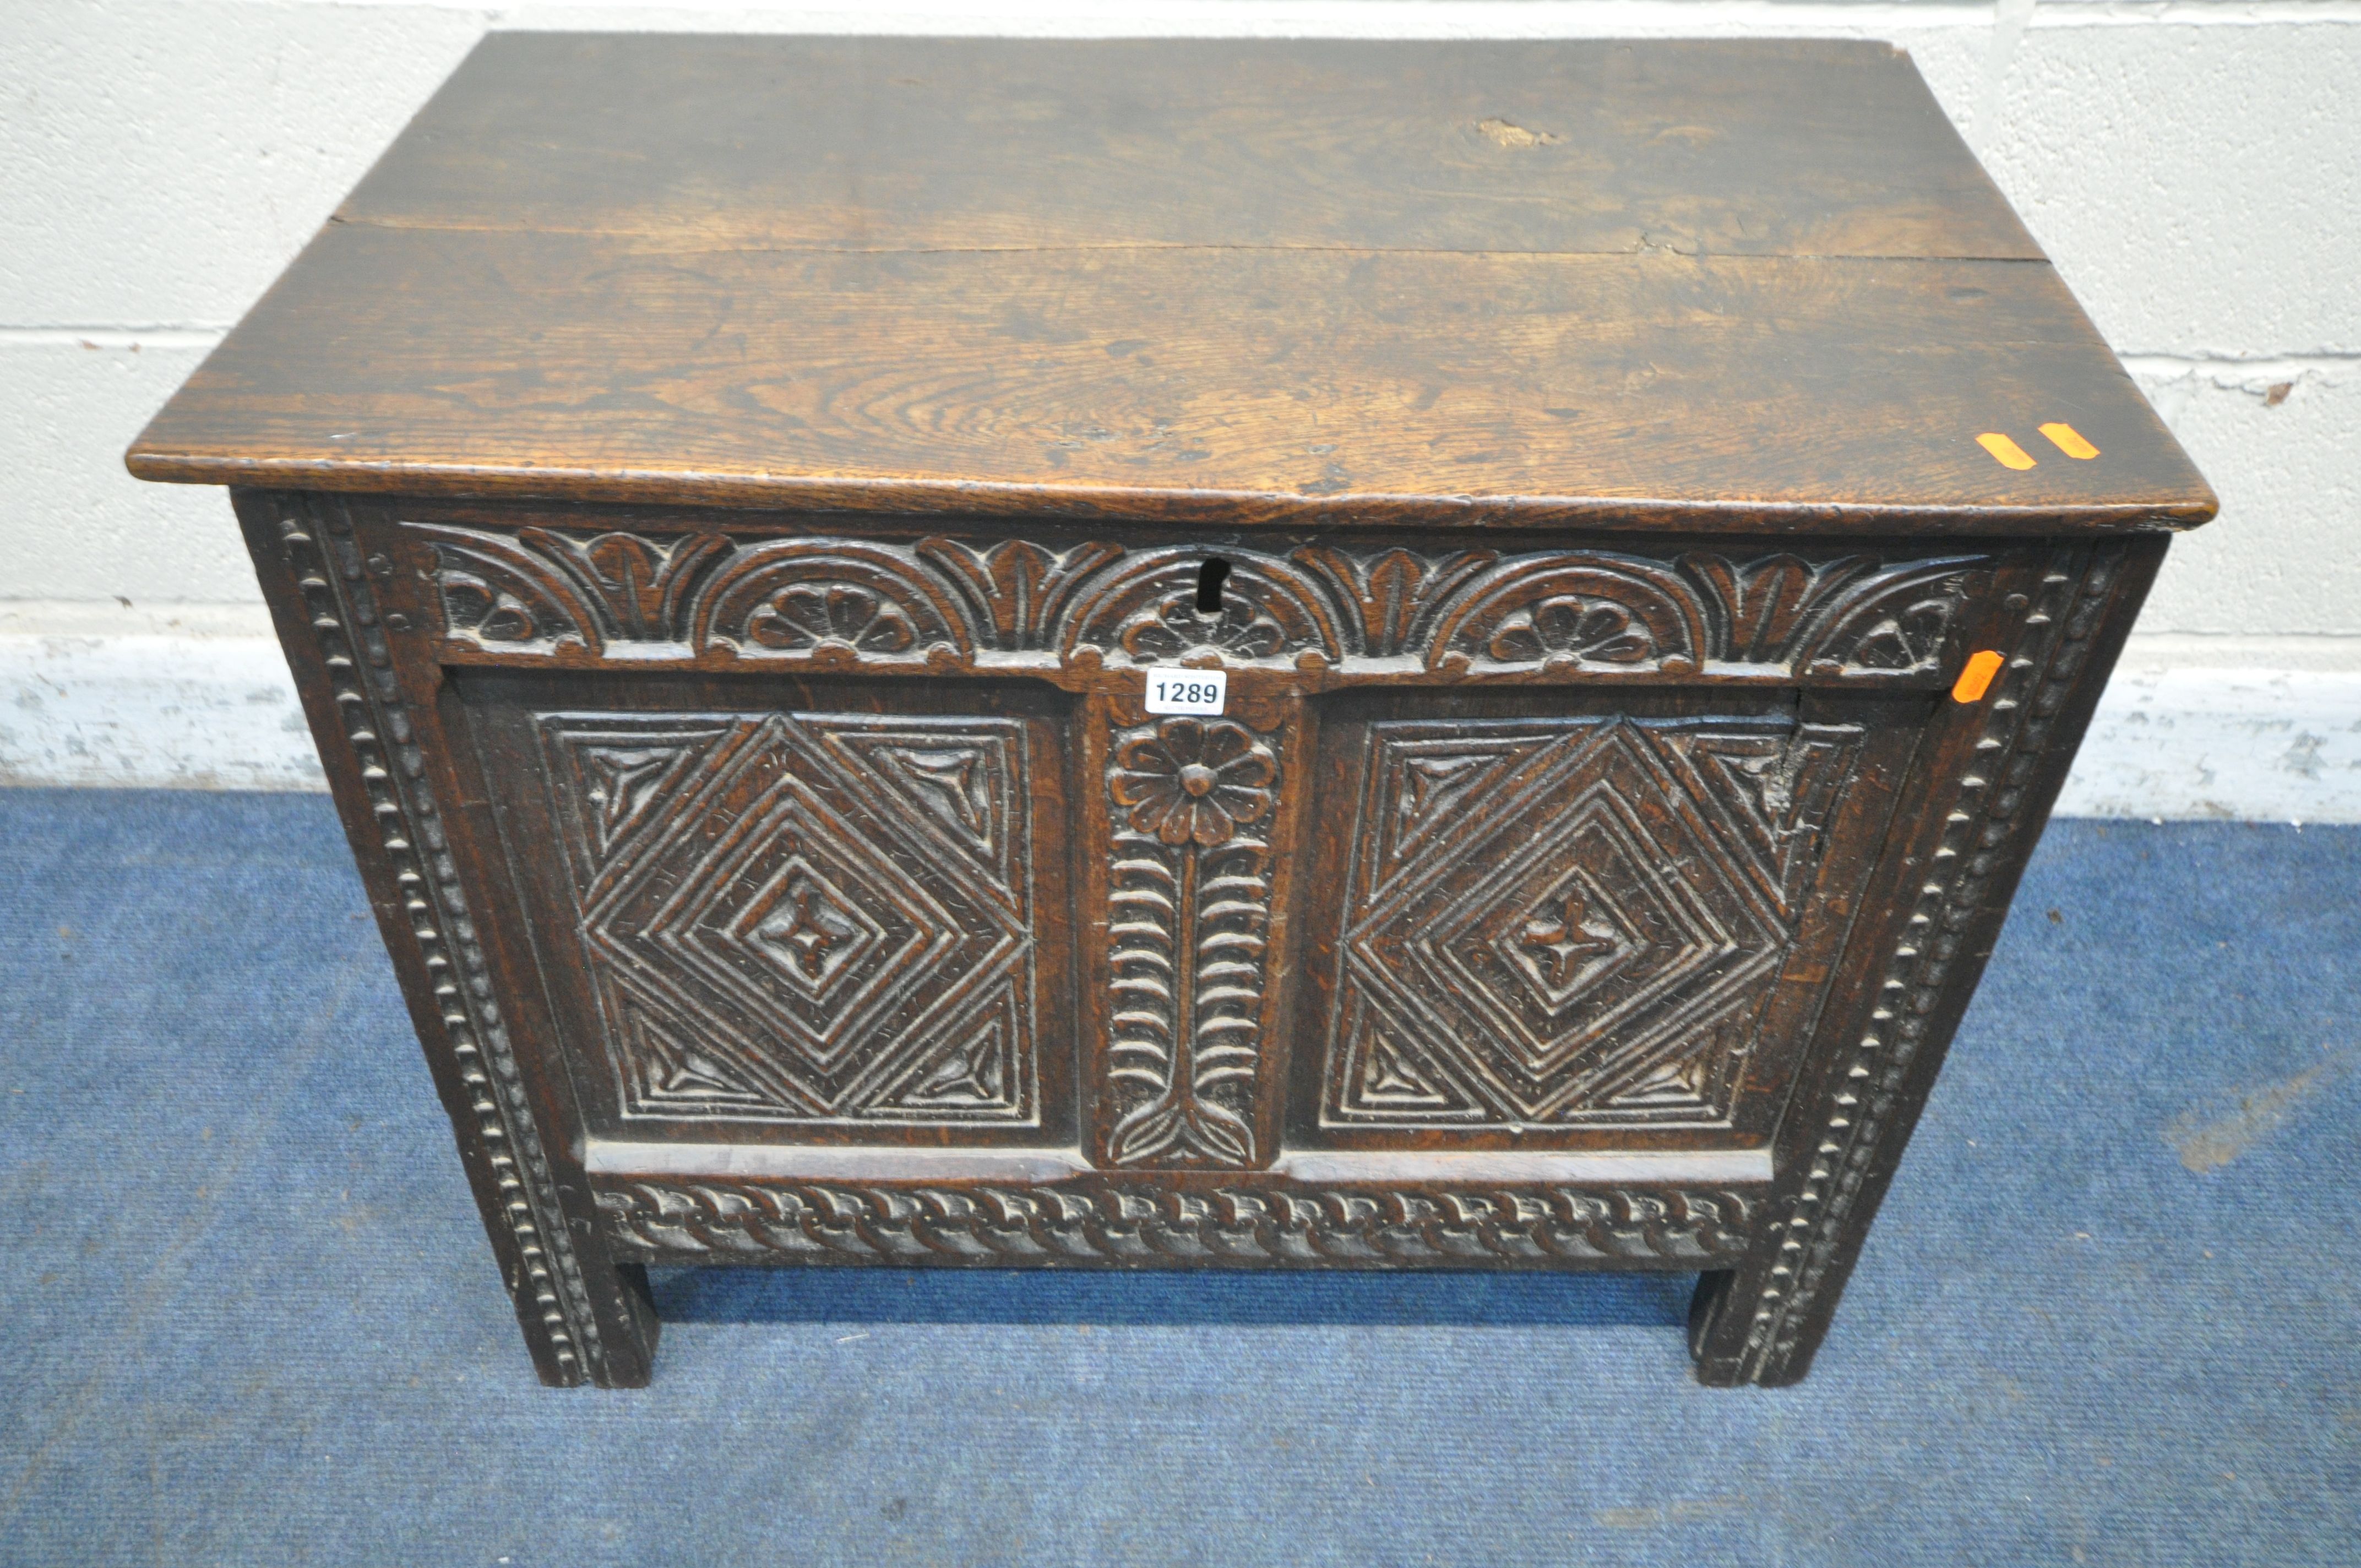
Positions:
{"x": 1184, "y": 653}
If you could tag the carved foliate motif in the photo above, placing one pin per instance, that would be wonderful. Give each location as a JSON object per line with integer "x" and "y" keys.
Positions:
{"x": 806, "y": 918}
{"x": 1019, "y": 591}
{"x": 540, "y": 590}
{"x": 1188, "y": 911}
{"x": 1569, "y": 922}
{"x": 1113, "y": 1224}
{"x": 892, "y": 606}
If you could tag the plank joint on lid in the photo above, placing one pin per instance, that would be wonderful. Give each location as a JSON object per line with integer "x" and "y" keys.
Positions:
{"x": 1762, "y": 286}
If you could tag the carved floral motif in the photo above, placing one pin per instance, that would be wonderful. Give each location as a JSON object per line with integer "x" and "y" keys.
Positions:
{"x": 819, "y": 615}
{"x": 1570, "y": 627}
{"x": 1565, "y": 939}
{"x": 1193, "y": 781}
{"x": 1190, "y": 909}
{"x": 1176, "y": 628}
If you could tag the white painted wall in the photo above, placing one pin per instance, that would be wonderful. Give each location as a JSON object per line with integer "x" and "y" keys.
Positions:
{"x": 2193, "y": 167}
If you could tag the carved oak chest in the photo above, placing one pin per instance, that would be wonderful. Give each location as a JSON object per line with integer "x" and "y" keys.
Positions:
{"x": 1208, "y": 654}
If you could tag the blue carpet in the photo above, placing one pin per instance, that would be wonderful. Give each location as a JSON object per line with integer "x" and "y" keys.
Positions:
{"x": 2111, "y": 1316}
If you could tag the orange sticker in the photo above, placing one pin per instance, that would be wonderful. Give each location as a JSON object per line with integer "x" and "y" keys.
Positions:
{"x": 2009, "y": 453}
{"x": 2068, "y": 440}
{"x": 1977, "y": 678}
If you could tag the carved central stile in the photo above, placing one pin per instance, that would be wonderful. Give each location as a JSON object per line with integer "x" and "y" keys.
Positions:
{"x": 1188, "y": 940}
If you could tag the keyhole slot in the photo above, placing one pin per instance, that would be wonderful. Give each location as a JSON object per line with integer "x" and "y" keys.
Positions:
{"x": 1210, "y": 578}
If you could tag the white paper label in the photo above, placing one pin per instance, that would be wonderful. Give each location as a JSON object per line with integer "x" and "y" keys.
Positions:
{"x": 1187, "y": 691}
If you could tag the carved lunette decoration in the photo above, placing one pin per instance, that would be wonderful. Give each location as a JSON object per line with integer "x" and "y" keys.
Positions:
{"x": 1113, "y": 1224}
{"x": 327, "y": 564}
{"x": 1984, "y": 819}
{"x": 886, "y": 605}
{"x": 1189, "y": 910}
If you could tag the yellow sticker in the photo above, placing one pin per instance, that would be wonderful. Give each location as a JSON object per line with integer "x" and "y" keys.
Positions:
{"x": 1977, "y": 678}
{"x": 2009, "y": 453}
{"x": 2068, "y": 440}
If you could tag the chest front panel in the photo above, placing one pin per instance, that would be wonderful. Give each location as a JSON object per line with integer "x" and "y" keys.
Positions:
{"x": 1594, "y": 940}
{"x": 1557, "y": 923}
{"x": 818, "y": 910}
{"x": 846, "y": 840}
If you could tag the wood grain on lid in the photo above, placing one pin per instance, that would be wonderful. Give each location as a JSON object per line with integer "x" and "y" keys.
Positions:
{"x": 1754, "y": 286}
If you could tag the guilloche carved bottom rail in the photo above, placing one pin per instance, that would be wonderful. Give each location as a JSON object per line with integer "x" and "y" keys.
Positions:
{"x": 1112, "y": 1225}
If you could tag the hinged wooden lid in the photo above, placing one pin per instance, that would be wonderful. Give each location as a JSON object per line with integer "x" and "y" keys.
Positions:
{"x": 1727, "y": 285}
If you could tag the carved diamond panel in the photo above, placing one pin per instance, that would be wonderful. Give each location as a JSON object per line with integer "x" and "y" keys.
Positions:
{"x": 804, "y": 917}
{"x": 1571, "y": 921}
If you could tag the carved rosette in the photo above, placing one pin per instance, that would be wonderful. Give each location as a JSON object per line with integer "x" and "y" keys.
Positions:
{"x": 1112, "y": 1224}
{"x": 894, "y": 607}
{"x": 1189, "y": 909}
